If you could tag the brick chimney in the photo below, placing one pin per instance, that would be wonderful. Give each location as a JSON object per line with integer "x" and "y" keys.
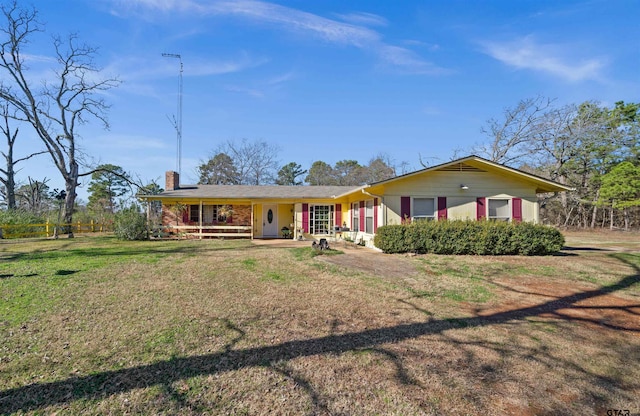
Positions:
{"x": 172, "y": 181}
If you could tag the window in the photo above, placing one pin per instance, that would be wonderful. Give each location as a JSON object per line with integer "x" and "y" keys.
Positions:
{"x": 368, "y": 215}
{"x": 320, "y": 219}
{"x": 355, "y": 216}
{"x": 424, "y": 209}
{"x": 211, "y": 214}
{"x": 499, "y": 210}
{"x": 194, "y": 213}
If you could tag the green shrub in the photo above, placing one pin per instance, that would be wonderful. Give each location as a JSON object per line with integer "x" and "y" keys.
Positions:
{"x": 21, "y": 223}
{"x": 18, "y": 217}
{"x": 469, "y": 237}
{"x": 533, "y": 240}
{"x": 391, "y": 239}
{"x": 130, "y": 225}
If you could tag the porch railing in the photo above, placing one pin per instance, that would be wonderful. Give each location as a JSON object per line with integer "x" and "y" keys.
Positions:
{"x": 227, "y": 231}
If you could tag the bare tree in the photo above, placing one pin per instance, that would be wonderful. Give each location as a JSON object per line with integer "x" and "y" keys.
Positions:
{"x": 8, "y": 172}
{"x": 34, "y": 197}
{"x": 510, "y": 137}
{"x": 58, "y": 107}
{"x": 256, "y": 163}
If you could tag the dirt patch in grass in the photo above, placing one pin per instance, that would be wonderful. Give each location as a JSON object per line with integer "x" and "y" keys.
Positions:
{"x": 368, "y": 261}
{"x": 218, "y": 327}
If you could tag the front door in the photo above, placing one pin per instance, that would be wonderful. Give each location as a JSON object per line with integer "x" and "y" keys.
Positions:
{"x": 270, "y": 221}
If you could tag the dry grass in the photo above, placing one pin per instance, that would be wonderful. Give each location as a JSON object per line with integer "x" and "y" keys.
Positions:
{"x": 97, "y": 326}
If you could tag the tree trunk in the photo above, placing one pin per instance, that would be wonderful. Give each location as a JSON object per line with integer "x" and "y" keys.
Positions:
{"x": 594, "y": 214}
{"x": 625, "y": 215}
{"x": 611, "y": 219}
{"x": 71, "y": 183}
{"x": 11, "y": 182}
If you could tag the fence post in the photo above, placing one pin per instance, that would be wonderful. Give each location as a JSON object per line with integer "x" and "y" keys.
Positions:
{"x": 93, "y": 228}
{"x": 46, "y": 228}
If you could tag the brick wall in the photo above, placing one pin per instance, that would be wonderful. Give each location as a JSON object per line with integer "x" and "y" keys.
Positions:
{"x": 241, "y": 215}
{"x": 168, "y": 217}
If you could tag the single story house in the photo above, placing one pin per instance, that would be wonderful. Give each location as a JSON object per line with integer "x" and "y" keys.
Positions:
{"x": 466, "y": 188}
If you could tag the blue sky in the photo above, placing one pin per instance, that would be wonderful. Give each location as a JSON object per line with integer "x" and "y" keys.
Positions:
{"x": 331, "y": 80}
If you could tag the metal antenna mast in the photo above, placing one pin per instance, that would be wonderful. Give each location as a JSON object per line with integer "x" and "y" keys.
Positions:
{"x": 178, "y": 123}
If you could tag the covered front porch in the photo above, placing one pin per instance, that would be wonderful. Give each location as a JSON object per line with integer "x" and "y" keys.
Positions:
{"x": 217, "y": 219}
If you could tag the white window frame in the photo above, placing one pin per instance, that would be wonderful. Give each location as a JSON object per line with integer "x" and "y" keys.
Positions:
{"x": 432, "y": 217}
{"x": 355, "y": 216}
{"x": 368, "y": 216}
{"x": 321, "y": 226}
{"x": 508, "y": 218}
{"x": 195, "y": 209}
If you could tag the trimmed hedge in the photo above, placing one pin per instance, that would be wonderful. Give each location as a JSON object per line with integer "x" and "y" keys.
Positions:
{"x": 469, "y": 237}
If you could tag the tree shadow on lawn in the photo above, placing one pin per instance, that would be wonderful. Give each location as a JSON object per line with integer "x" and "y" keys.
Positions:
{"x": 164, "y": 373}
{"x": 568, "y": 248}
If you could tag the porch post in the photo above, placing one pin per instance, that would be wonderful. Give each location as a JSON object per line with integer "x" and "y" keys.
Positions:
{"x": 200, "y": 220}
{"x": 252, "y": 204}
{"x": 148, "y": 220}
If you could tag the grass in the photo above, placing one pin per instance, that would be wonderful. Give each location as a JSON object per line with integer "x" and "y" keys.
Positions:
{"x": 100, "y": 326}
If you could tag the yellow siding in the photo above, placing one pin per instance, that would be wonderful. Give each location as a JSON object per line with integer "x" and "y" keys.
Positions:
{"x": 257, "y": 220}
{"x": 392, "y": 205}
{"x": 461, "y": 203}
{"x": 285, "y": 216}
{"x": 448, "y": 184}
{"x": 461, "y": 208}
{"x": 297, "y": 208}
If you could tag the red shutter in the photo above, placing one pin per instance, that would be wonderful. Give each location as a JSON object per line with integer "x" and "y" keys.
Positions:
{"x": 338, "y": 215}
{"x": 442, "y": 208}
{"x": 185, "y": 214}
{"x": 375, "y": 215}
{"x": 405, "y": 208}
{"x": 362, "y": 216}
{"x": 516, "y": 209}
{"x": 305, "y": 218}
{"x": 481, "y": 210}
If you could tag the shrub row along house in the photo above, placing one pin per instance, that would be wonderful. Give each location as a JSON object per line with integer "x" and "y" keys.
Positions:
{"x": 466, "y": 188}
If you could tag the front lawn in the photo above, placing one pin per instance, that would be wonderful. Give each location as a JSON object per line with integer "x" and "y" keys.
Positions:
{"x": 94, "y": 325}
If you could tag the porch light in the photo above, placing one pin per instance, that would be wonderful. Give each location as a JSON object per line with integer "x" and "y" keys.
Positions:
{"x": 464, "y": 187}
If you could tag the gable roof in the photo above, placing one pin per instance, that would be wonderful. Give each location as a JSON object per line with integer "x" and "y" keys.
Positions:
{"x": 475, "y": 163}
{"x": 243, "y": 192}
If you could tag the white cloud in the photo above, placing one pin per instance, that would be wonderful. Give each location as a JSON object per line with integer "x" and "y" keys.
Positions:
{"x": 432, "y": 111}
{"x": 137, "y": 72}
{"x": 363, "y": 18}
{"x": 526, "y": 53}
{"x": 351, "y": 33}
{"x": 408, "y": 61}
{"x": 127, "y": 142}
{"x": 296, "y": 20}
{"x": 431, "y": 47}
{"x": 280, "y": 79}
{"x": 243, "y": 90}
